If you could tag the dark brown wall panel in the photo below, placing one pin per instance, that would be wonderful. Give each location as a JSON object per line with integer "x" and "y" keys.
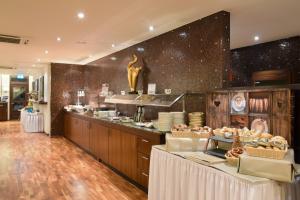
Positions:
{"x": 65, "y": 81}
{"x": 279, "y": 54}
{"x": 193, "y": 57}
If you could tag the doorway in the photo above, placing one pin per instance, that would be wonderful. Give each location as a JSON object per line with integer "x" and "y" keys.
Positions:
{"x": 19, "y": 88}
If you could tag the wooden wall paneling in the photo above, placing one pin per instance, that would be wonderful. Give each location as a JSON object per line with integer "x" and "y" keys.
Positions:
{"x": 281, "y": 109}
{"x": 114, "y": 149}
{"x": 217, "y": 109}
{"x": 129, "y": 155}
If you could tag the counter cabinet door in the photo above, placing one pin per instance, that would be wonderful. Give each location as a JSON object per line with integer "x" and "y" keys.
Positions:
{"x": 85, "y": 135}
{"x": 123, "y": 152}
{"x": 67, "y": 128}
{"x": 129, "y": 155}
{"x": 143, "y": 169}
{"x": 99, "y": 141}
{"x": 114, "y": 149}
{"x": 217, "y": 110}
{"x": 75, "y": 129}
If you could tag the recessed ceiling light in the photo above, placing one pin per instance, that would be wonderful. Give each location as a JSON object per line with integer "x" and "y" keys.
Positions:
{"x": 151, "y": 28}
{"x": 58, "y": 39}
{"x": 80, "y": 15}
{"x": 113, "y": 58}
{"x": 90, "y": 56}
{"x": 140, "y": 49}
{"x": 39, "y": 60}
{"x": 113, "y": 45}
{"x": 256, "y": 38}
{"x": 33, "y": 65}
{"x": 46, "y": 51}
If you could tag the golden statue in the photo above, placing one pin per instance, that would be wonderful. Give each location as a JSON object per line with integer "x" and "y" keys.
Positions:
{"x": 133, "y": 73}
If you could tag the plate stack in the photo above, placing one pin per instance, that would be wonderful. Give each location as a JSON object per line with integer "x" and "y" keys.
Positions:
{"x": 196, "y": 119}
{"x": 165, "y": 121}
{"x": 178, "y": 118}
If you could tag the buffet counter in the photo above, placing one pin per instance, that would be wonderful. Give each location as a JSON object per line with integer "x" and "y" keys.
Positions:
{"x": 123, "y": 146}
{"x": 115, "y": 123}
{"x": 173, "y": 177}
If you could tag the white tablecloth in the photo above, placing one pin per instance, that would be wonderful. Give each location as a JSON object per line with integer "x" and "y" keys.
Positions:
{"x": 175, "y": 178}
{"x": 32, "y": 122}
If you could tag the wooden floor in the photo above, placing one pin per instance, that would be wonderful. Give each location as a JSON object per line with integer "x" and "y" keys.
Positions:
{"x": 34, "y": 166}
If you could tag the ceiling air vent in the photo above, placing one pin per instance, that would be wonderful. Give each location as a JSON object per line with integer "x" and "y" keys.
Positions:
{"x": 13, "y": 39}
{"x": 3, "y": 67}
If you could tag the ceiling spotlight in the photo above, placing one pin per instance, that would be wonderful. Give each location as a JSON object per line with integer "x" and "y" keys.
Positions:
{"x": 58, "y": 39}
{"x": 39, "y": 60}
{"x": 113, "y": 45}
{"x": 46, "y": 51}
{"x": 113, "y": 58}
{"x": 151, "y": 28}
{"x": 33, "y": 65}
{"x": 256, "y": 38}
{"x": 80, "y": 15}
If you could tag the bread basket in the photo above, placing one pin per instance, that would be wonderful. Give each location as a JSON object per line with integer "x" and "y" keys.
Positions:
{"x": 189, "y": 134}
{"x": 266, "y": 153}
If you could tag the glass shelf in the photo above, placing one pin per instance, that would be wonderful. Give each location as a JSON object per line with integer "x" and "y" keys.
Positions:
{"x": 159, "y": 100}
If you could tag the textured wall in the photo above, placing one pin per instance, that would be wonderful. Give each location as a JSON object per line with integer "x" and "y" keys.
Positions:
{"x": 193, "y": 57}
{"x": 190, "y": 58}
{"x": 65, "y": 81}
{"x": 280, "y": 54}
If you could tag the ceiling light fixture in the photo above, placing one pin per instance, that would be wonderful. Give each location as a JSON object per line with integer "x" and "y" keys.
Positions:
{"x": 58, "y": 39}
{"x": 80, "y": 15}
{"x": 256, "y": 38}
{"x": 33, "y": 65}
{"x": 113, "y": 45}
{"x": 90, "y": 56}
{"x": 151, "y": 28}
{"x": 39, "y": 60}
{"x": 46, "y": 51}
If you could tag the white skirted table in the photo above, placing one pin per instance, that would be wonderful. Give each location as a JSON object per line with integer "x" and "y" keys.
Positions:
{"x": 175, "y": 178}
{"x": 32, "y": 122}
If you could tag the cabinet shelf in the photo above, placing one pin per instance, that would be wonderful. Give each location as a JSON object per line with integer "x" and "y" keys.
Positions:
{"x": 259, "y": 114}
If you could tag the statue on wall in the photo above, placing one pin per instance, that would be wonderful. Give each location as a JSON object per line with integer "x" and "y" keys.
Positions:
{"x": 133, "y": 73}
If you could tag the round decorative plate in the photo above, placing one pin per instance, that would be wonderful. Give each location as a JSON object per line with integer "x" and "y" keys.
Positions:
{"x": 238, "y": 103}
{"x": 260, "y": 126}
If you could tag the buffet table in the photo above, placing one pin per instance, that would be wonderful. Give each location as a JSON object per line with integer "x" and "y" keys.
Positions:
{"x": 32, "y": 122}
{"x": 175, "y": 178}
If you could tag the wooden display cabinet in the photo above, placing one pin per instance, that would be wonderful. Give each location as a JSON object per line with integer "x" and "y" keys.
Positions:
{"x": 273, "y": 106}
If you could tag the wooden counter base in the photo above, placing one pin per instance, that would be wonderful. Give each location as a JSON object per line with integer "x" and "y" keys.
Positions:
{"x": 123, "y": 148}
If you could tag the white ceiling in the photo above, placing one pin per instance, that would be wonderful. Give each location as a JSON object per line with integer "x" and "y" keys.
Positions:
{"x": 125, "y": 22}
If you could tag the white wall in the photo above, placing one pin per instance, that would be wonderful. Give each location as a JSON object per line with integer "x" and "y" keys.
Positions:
{"x": 45, "y": 108}
{"x": 34, "y": 73}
